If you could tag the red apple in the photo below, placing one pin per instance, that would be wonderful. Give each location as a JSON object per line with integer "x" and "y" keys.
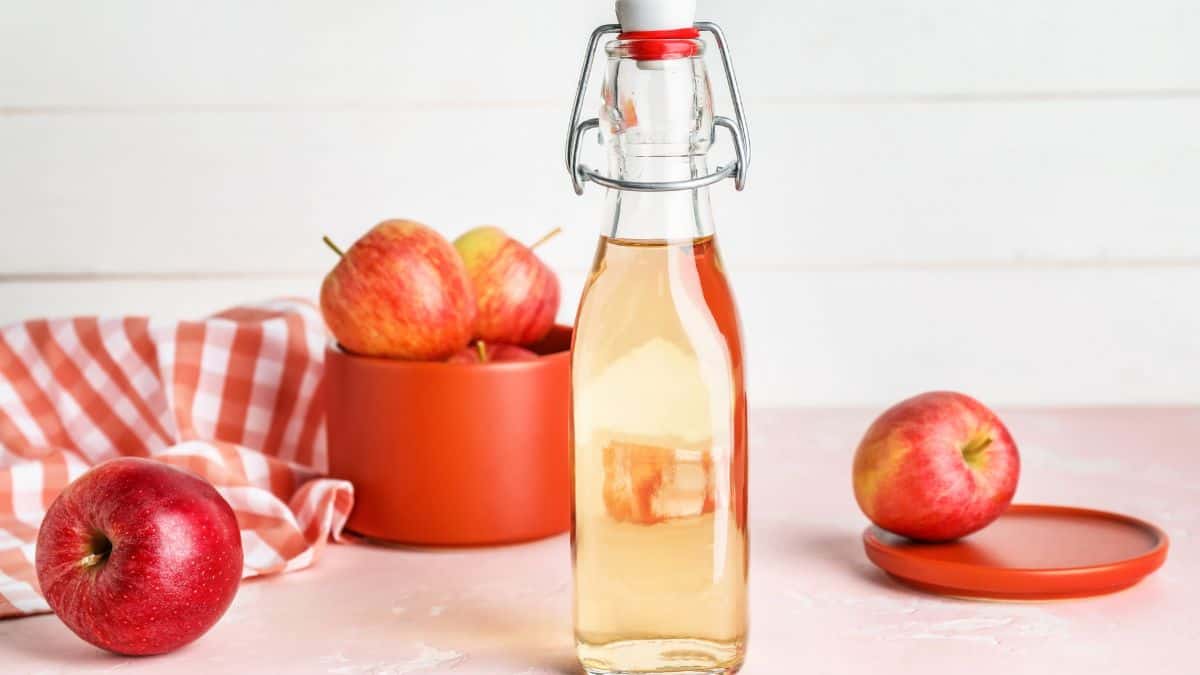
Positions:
{"x": 400, "y": 291}
{"x": 936, "y": 467}
{"x": 516, "y": 294}
{"x": 482, "y": 352}
{"x": 138, "y": 557}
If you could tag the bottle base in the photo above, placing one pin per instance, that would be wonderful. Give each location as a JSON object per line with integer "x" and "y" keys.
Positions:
{"x": 674, "y": 656}
{"x": 730, "y": 670}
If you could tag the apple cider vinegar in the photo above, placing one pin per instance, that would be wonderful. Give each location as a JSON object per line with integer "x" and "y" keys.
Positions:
{"x": 660, "y": 541}
{"x": 659, "y": 537}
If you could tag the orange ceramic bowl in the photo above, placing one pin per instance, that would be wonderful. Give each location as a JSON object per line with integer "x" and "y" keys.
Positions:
{"x": 449, "y": 454}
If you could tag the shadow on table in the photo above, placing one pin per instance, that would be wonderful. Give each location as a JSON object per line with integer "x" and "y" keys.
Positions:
{"x": 840, "y": 551}
{"x": 44, "y": 636}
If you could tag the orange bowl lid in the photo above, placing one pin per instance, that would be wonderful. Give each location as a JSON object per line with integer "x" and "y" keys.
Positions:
{"x": 1031, "y": 552}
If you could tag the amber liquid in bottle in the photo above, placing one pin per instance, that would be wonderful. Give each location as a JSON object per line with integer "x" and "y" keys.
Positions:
{"x": 659, "y": 461}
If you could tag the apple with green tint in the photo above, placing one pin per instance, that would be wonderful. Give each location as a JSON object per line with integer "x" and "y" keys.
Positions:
{"x": 936, "y": 467}
{"x": 516, "y": 294}
{"x": 138, "y": 557}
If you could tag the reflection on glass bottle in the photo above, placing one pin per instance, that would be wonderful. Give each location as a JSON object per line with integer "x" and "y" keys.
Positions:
{"x": 649, "y": 484}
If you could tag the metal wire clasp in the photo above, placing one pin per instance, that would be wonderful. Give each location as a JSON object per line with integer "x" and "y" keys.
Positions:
{"x": 741, "y": 137}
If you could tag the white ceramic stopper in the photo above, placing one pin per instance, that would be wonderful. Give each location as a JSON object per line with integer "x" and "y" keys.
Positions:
{"x": 642, "y": 15}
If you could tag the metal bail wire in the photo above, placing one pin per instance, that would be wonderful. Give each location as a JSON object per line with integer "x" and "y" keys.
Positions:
{"x": 738, "y": 168}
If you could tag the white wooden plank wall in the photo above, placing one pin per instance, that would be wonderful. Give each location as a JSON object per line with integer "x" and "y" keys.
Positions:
{"x": 998, "y": 197}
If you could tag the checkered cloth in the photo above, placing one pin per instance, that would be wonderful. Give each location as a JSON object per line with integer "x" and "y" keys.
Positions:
{"x": 235, "y": 398}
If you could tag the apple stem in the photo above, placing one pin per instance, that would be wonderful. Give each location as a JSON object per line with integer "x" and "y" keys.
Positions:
{"x": 546, "y": 237}
{"x": 482, "y": 349}
{"x": 975, "y": 446}
{"x": 330, "y": 244}
{"x": 92, "y": 559}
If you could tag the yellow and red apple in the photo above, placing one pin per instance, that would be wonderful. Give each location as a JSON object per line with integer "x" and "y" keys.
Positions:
{"x": 936, "y": 467}
{"x": 516, "y": 294}
{"x": 400, "y": 291}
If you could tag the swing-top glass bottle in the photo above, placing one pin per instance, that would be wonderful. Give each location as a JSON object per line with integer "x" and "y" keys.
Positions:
{"x": 659, "y": 453}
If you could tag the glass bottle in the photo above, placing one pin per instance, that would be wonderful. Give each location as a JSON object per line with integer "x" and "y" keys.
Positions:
{"x": 659, "y": 455}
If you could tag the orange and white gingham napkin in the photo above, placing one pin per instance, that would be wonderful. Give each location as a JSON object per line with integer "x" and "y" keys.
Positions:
{"x": 235, "y": 398}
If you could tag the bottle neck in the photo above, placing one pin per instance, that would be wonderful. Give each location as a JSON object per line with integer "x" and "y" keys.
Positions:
{"x": 671, "y": 216}
{"x": 657, "y": 124}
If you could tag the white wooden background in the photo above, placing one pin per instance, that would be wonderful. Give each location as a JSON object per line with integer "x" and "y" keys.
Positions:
{"x": 998, "y": 197}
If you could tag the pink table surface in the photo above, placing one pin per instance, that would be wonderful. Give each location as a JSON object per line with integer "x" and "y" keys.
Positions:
{"x": 818, "y": 606}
